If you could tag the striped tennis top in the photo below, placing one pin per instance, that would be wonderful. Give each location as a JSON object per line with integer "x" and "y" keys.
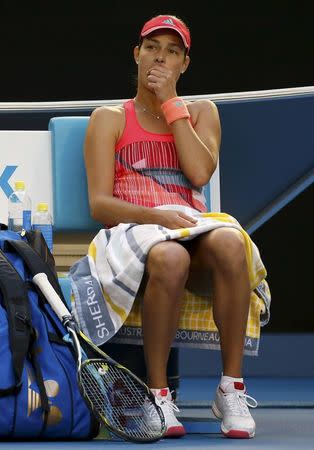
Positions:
{"x": 147, "y": 170}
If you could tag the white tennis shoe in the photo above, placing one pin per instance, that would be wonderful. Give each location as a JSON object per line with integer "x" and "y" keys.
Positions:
{"x": 174, "y": 428}
{"x": 231, "y": 407}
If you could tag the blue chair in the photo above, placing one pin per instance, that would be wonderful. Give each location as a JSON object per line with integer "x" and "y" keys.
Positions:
{"x": 70, "y": 198}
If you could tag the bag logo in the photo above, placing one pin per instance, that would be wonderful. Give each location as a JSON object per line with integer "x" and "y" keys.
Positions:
{"x": 34, "y": 400}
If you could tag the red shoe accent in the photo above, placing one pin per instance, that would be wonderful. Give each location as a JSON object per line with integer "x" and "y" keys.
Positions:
{"x": 175, "y": 432}
{"x": 239, "y": 386}
{"x": 237, "y": 434}
{"x": 164, "y": 392}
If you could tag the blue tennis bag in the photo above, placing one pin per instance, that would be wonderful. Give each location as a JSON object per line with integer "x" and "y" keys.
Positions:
{"x": 39, "y": 395}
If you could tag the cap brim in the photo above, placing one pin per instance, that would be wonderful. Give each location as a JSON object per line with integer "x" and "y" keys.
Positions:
{"x": 150, "y": 30}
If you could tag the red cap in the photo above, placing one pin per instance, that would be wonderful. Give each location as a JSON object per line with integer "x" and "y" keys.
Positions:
{"x": 161, "y": 22}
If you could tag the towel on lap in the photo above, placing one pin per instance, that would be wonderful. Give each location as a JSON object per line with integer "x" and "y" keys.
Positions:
{"x": 105, "y": 285}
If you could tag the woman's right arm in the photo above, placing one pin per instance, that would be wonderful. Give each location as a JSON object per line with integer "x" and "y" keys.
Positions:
{"x": 102, "y": 134}
{"x": 103, "y": 131}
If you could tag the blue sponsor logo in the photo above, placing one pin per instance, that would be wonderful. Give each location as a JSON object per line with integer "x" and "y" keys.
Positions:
{"x": 4, "y": 179}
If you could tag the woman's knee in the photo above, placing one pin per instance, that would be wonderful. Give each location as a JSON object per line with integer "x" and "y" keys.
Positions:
{"x": 168, "y": 260}
{"x": 226, "y": 247}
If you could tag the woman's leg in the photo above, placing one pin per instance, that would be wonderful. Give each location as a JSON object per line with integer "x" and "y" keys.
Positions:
{"x": 222, "y": 252}
{"x": 167, "y": 267}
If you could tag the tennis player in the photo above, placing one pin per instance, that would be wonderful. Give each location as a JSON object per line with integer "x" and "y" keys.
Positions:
{"x": 157, "y": 149}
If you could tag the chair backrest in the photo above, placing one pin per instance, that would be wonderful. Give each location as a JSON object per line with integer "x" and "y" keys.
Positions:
{"x": 70, "y": 197}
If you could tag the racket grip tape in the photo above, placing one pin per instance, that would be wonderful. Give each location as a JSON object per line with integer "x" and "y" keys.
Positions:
{"x": 41, "y": 280}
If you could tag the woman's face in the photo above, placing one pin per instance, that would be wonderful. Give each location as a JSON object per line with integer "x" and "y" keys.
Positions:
{"x": 163, "y": 48}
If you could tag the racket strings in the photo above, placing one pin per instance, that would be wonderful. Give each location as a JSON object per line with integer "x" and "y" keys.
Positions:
{"x": 122, "y": 407}
{"x": 121, "y": 400}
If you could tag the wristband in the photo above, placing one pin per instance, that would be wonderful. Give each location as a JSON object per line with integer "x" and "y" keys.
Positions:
{"x": 174, "y": 109}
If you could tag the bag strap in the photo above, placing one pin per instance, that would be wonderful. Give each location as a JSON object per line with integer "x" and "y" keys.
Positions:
{"x": 35, "y": 263}
{"x": 15, "y": 301}
{"x": 37, "y": 241}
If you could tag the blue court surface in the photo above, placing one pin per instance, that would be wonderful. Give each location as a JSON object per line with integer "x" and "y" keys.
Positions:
{"x": 284, "y": 419}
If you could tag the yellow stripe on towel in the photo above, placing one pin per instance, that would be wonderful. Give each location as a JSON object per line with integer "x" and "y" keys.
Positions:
{"x": 254, "y": 275}
{"x": 223, "y": 217}
{"x": 92, "y": 251}
{"x": 119, "y": 311}
{"x": 249, "y": 256}
{"x": 184, "y": 232}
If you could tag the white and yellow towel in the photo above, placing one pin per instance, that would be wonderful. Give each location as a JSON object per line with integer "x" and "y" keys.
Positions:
{"x": 105, "y": 284}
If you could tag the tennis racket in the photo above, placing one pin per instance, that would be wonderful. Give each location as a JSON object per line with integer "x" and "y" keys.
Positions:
{"x": 117, "y": 397}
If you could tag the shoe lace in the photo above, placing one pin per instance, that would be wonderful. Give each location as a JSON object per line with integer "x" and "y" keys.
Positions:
{"x": 166, "y": 402}
{"x": 239, "y": 402}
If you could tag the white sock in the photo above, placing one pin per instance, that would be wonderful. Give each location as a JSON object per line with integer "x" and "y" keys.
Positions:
{"x": 225, "y": 381}
{"x": 160, "y": 392}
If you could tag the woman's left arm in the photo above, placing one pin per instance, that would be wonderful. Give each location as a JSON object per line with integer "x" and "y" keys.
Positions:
{"x": 198, "y": 145}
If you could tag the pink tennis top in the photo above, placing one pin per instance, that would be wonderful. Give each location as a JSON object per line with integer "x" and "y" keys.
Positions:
{"x": 147, "y": 170}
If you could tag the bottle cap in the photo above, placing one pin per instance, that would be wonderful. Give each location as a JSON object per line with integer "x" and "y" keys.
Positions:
{"x": 19, "y": 185}
{"x": 42, "y": 207}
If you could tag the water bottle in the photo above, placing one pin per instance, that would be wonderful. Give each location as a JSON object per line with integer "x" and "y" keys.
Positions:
{"x": 19, "y": 209}
{"x": 42, "y": 221}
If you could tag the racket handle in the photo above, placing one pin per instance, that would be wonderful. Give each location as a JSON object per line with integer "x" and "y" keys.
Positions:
{"x": 51, "y": 295}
